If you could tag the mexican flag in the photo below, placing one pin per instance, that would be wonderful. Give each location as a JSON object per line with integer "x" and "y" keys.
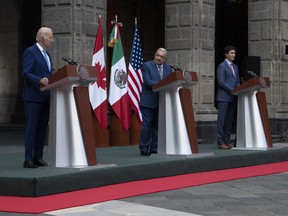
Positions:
{"x": 118, "y": 91}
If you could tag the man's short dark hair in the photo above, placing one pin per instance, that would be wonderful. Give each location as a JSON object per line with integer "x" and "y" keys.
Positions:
{"x": 227, "y": 49}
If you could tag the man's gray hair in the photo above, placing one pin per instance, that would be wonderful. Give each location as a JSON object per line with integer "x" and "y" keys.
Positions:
{"x": 162, "y": 50}
{"x": 42, "y": 32}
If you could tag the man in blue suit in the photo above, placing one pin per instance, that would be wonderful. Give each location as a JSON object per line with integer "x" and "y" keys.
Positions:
{"x": 153, "y": 71}
{"x": 37, "y": 67}
{"x": 228, "y": 79}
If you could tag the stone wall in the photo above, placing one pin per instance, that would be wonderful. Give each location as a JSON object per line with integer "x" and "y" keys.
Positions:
{"x": 9, "y": 71}
{"x": 190, "y": 38}
{"x": 268, "y": 38}
{"x": 74, "y": 24}
{"x": 190, "y": 32}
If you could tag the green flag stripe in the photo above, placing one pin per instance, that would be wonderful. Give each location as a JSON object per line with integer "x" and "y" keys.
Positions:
{"x": 118, "y": 51}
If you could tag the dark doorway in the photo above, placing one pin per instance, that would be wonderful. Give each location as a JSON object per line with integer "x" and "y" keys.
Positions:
{"x": 151, "y": 24}
{"x": 231, "y": 29}
{"x": 29, "y": 23}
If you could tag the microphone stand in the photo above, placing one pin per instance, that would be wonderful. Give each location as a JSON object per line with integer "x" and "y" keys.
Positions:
{"x": 69, "y": 61}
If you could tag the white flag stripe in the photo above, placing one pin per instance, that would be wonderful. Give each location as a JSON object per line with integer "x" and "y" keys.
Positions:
{"x": 96, "y": 95}
{"x": 135, "y": 74}
{"x": 139, "y": 81}
{"x": 134, "y": 94}
{"x": 134, "y": 90}
{"x": 98, "y": 57}
{"x": 136, "y": 104}
{"x": 135, "y": 86}
{"x": 117, "y": 92}
{"x": 135, "y": 101}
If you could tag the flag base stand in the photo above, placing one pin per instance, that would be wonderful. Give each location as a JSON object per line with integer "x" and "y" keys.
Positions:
{"x": 135, "y": 129}
{"x": 101, "y": 136}
{"x": 117, "y": 136}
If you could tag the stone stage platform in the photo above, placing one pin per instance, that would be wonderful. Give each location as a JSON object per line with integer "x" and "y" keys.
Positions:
{"x": 116, "y": 165}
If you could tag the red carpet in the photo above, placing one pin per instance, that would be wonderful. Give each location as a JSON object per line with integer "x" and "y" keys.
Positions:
{"x": 118, "y": 191}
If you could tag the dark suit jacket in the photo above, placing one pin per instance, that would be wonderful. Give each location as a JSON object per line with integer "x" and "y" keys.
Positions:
{"x": 34, "y": 69}
{"x": 226, "y": 82}
{"x": 151, "y": 76}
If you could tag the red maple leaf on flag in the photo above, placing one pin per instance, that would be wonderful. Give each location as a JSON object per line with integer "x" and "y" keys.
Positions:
{"x": 101, "y": 81}
{"x": 97, "y": 91}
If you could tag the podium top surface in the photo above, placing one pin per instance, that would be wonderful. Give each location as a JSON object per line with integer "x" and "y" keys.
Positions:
{"x": 252, "y": 84}
{"x": 177, "y": 78}
{"x": 71, "y": 74}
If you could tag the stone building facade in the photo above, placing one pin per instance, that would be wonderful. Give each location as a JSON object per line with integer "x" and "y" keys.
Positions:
{"x": 189, "y": 33}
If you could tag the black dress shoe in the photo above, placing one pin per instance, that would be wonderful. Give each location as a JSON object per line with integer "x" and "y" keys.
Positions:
{"x": 40, "y": 162}
{"x": 29, "y": 164}
{"x": 224, "y": 146}
{"x": 144, "y": 153}
{"x": 153, "y": 152}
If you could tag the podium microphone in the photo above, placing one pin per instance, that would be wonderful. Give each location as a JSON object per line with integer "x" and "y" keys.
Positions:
{"x": 69, "y": 61}
{"x": 252, "y": 73}
{"x": 175, "y": 67}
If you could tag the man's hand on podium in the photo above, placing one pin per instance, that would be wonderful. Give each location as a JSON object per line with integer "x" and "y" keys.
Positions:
{"x": 44, "y": 82}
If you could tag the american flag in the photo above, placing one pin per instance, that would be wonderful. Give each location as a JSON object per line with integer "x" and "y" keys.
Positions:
{"x": 135, "y": 80}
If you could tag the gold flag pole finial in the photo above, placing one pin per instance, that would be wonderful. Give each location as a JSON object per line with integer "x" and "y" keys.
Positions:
{"x": 114, "y": 34}
{"x": 115, "y": 22}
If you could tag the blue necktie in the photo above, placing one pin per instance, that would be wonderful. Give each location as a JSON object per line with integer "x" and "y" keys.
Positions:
{"x": 47, "y": 61}
{"x": 160, "y": 71}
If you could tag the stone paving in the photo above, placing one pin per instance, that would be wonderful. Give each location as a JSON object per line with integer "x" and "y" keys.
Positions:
{"x": 257, "y": 196}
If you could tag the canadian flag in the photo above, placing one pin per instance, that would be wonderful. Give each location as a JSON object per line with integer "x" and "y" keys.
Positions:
{"x": 98, "y": 90}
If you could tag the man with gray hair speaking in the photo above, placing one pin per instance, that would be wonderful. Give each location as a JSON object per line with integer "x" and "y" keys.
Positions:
{"x": 37, "y": 67}
{"x": 153, "y": 72}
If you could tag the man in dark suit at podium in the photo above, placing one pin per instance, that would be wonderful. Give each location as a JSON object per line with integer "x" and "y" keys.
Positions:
{"x": 153, "y": 71}
{"x": 37, "y": 67}
{"x": 228, "y": 79}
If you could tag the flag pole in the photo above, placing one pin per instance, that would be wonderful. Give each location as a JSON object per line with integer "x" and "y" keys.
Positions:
{"x": 98, "y": 90}
{"x": 118, "y": 90}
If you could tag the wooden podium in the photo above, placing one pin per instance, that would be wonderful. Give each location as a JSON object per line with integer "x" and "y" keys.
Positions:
{"x": 253, "y": 128}
{"x": 176, "y": 131}
{"x": 71, "y": 137}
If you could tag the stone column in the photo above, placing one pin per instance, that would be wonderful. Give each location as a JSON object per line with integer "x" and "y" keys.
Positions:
{"x": 268, "y": 38}
{"x": 190, "y": 37}
{"x": 74, "y": 24}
